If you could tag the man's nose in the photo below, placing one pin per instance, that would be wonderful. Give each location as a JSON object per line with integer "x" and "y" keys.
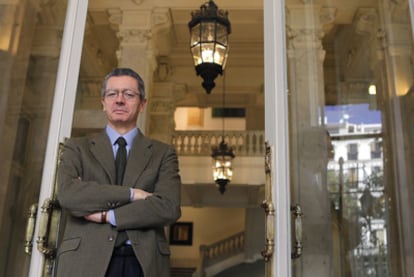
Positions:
{"x": 120, "y": 97}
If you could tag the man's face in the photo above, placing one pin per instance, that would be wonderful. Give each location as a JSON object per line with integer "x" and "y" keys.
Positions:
{"x": 122, "y": 102}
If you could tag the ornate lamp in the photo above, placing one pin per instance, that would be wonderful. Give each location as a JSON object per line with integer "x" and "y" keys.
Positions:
{"x": 222, "y": 169}
{"x": 209, "y": 30}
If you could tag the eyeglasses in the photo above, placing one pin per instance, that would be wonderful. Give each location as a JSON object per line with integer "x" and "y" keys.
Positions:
{"x": 127, "y": 93}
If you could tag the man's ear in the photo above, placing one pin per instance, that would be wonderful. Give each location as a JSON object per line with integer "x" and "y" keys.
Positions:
{"x": 142, "y": 105}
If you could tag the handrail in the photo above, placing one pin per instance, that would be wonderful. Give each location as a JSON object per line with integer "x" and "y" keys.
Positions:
{"x": 220, "y": 250}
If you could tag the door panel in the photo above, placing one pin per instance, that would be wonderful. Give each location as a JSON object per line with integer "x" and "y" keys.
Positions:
{"x": 351, "y": 149}
{"x": 39, "y": 70}
{"x": 60, "y": 128}
{"x": 29, "y": 55}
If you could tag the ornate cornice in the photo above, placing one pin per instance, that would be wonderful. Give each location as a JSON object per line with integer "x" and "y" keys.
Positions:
{"x": 365, "y": 21}
{"x": 305, "y": 38}
{"x": 161, "y": 18}
{"x": 308, "y": 33}
{"x": 327, "y": 15}
{"x": 114, "y": 18}
{"x": 134, "y": 36}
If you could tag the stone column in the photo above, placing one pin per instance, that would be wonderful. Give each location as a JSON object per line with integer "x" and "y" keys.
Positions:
{"x": 136, "y": 30}
{"x": 307, "y": 134}
{"x": 163, "y": 102}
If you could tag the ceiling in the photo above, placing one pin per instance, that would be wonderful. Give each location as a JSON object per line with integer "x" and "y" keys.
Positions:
{"x": 245, "y": 66}
{"x": 244, "y": 74}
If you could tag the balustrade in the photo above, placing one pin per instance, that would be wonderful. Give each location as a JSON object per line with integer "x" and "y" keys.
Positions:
{"x": 199, "y": 143}
{"x": 218, "y": 251}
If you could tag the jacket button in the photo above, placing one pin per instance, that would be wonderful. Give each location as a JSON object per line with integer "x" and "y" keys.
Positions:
{"x": 111, "y": 238}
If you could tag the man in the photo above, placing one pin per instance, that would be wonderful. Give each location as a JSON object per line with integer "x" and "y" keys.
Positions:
{"x": 116, "y": 227}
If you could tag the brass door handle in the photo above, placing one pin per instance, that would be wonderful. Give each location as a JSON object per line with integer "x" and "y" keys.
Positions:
{"x": 50, "y": 213}
{"x": 297, "y": 212}
{"x": 267, "y": 253}
{"x": 30, "y": 227}
{"x": 44, "y": 243}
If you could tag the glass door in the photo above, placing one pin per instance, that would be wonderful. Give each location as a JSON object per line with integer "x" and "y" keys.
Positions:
{"x": 350, "y": 113}
{"x": 29, "y": 51}
{"x": 38, "y": 65}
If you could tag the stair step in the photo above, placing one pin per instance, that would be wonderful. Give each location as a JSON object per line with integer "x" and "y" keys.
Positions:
{"x": 182, "y": 271}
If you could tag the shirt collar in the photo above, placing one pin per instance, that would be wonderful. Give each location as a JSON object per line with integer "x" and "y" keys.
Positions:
{"x": 114, "y": 135}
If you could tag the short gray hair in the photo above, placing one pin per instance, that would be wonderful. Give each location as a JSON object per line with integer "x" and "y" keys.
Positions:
{"x": 122, "y": 71}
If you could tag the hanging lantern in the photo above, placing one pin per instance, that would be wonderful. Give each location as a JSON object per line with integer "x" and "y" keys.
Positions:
{"x": 209, "y": 30}
{"x": 222, "y": 169}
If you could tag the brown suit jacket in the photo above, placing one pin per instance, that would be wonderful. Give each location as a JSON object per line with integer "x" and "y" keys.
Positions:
{"x": 86, "y": 178}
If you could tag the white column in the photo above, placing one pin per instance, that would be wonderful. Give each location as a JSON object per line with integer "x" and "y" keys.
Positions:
{"x": 137, "y": 30}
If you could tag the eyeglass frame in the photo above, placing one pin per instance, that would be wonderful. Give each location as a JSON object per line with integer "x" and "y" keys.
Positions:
{"x": 127, "y": 93}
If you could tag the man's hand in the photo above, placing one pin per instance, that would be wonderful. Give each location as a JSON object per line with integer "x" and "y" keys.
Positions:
{"x": 98, "y": 217}
{"x": 140, "y": 194}
{"x": 103, "y": 217}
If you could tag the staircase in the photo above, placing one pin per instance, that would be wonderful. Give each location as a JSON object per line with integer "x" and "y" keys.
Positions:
{"x": 182, "y": 272}
{"x": 221, "y": 255}
{"x": 216, "y": 257}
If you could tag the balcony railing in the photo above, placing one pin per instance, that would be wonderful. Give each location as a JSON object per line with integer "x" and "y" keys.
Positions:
{"x": 199, "y": 143}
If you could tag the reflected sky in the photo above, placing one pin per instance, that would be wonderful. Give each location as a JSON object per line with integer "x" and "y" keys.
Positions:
{"x": 355, "y": 114}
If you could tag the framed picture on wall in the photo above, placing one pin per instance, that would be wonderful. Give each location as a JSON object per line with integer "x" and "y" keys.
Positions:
{"x": 181, "y": 233}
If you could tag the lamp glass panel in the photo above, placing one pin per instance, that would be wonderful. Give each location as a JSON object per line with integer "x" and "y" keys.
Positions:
{"x": 223, "y": 66}
{"x": 195, "y": 35}
{"x": 221, "y": 34}
{"x": 196, "y": 53}
{"x": 222, "y": 168}
{"x": 220, "y": 54}
{"x": 208, "y": 31}
{"x": 207, "y": 52}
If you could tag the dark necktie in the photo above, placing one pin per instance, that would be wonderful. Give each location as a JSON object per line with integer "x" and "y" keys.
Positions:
{"x": 120, "y": 165}
{"x": 120, "y": 160}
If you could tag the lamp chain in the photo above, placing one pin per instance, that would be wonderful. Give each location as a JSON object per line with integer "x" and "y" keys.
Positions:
{"x": 223, "y": 105}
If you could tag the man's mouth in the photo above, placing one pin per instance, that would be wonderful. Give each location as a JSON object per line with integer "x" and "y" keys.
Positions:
{"x": 119, "y": 111}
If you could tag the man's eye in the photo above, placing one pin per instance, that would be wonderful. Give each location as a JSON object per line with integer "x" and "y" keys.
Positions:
{"x": 111, "y": 94}
{"x": 129, "y": 94}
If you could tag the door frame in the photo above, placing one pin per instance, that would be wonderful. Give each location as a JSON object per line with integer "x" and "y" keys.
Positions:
{"x": 277, "y": 132}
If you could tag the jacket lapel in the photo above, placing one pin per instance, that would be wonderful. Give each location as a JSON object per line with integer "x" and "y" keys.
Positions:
{"x": 101, "y": 148}
{"x": 138, "y": 159}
